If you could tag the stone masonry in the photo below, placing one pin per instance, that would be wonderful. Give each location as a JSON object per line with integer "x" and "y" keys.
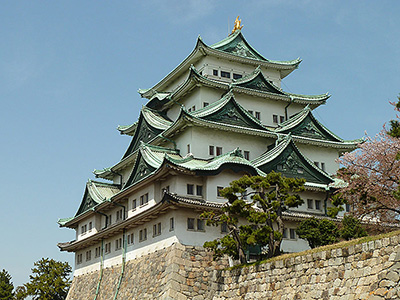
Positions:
{"x": 369, "y": 270}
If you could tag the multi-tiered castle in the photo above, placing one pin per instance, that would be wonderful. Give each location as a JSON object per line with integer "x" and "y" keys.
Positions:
{"x": 220, "y": 114}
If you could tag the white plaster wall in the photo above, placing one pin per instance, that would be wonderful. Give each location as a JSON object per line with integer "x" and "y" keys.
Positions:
{"x": 94, "y": 230}
{"x": 222, "y": 179}
{"x": 321, "y": 154}
{"x": 293, "y": 245}
{"x": 201, "y": 138}
{"x": 314, "y": 196}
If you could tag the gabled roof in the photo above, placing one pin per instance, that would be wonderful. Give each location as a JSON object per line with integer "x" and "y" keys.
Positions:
{"x": 287, "y": 159}
{"x": 229, "y": 48}
{"x": 150, "y": 160}
{"x": 95, "y": 193}
{"x": 305, "y": 125}
{"x": 149, "y": 125}
{"x": 228, "y": 111}
{"x": 253, "y": 84}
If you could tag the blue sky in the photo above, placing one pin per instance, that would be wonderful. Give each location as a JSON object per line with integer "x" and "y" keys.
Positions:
{"x": 70, "y": 70}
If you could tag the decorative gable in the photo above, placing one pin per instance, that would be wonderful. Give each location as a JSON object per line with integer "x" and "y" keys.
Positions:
{"x": 290, "y": 162}
{"x": 141, "y": 170}
{"x": 259, "y": 83}
{"x": 86, "y": 204}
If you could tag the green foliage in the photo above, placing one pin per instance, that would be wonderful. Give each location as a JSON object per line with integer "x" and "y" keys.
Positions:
{"x": 318, "y": 232}
{"x": 50, "y": 280}
{"x": 351, "y": 228}
{"x": 6, "y": 286}
{"x": 337, "y": 201}
{"x": 395, "y": 124}
{"x": 257, "y": 203}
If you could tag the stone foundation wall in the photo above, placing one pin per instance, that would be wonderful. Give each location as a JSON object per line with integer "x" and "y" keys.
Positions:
{"x": 364, "y": 271}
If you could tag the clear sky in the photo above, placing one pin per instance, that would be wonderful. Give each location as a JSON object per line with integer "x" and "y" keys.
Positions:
{"x": 70, "y": 70}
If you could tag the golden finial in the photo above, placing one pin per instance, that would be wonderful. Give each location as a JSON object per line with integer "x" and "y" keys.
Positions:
{"x": 237, "y": 25}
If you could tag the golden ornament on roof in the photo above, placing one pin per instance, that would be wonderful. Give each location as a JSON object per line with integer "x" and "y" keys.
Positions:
{"x": 237, "y": 25}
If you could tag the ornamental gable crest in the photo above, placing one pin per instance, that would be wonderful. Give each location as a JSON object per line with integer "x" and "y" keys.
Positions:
{"x": 311, "y": 129}
{"x": 291, "y": 163}
{"x": 141, "y": 170}
{"x": 232, "y": 115}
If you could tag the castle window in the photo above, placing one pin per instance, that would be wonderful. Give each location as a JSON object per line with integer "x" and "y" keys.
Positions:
{"x": 109, "y": 220}
{"x": 90, "y": 226}
{"x": 318, "y": 204}
{"x": 282, "y": 119}
{"x": 347, "y": 207}
{"x": 199, "y": 190}
{"x": 143, "y": 235}
{"x": 190, "y": 224}
{"x": 108, "y": 248}
{"x": 84, "y": 229}
{"x": 118, "y": 244}
{"x": 119, "y": 215}
{"x": 171, "y": 224}
{"x": 219, "y": 151}
{"x": 130, "y": 238}
{"x": 134, "y": 204}
{"x": 190, "y": 189}
{"x": 224, "y": 228}
{"x": 205, "y": 104}
{"x": 97, "y": 251}
{"x": 316, "y": 163}
{"x": 215, "y": 72}
{"x": 144, "y": 199}
{"x": 156, "y": 229}
{"x": 251, "y": 112}
{"x": 323, "y": 166}
{"x": 258, "y": 115}
{"x": 88, "y": 255}
{"x": 310, "y": 204}
{"x": 225, "y": 74}
{"x": 285, "y": 235}
{"x": 188, "y": 148}
{"x": 246, "y": 155}
{"x": 292, "y": 234}
{"x": 237, "y": 76}
{"x": 79, "y": 259}
{"x": 219, "y": 189}
{"x": 211, "y": 150}
{"x": 275, "y": 119}
{"x": 200, "y": 225}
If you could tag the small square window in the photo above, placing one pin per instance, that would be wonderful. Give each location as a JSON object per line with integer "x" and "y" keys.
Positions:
{"x": 188, "y": 148}
{"x": 143, "y": 235}
{"x": 219, "y": 189}
{"x": 200, "y": 225}
{"x": 90, "y": 226}
{"x": 251, "y": 112}
{"x": 211, "y": 150}
{"x": 258, "y": 115}
{"x": 190, "y": 189}
{"x": 215, "y": 72}
{"x": 190, "y": 224}
{"x": 144, "y": 199}
{"x": 323, "y": 166}
{"x": 282, "y": 119}
{"x": 275, "y": 119}
{"x": 219, "y": 151}
{"x": 171, "y": 224}
{"x": 193, "y": 108}
{"x": 237, "y": 76}
{"x": 205, "y": 104}
{"x": 88, "y": 255}
{"x": 225, "y": 74}
{"x": 316, "y": 163}
{"x": 199, "y": 190}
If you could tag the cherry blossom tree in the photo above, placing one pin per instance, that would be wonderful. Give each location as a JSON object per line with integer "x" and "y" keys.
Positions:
{"x": 373, "y": 175}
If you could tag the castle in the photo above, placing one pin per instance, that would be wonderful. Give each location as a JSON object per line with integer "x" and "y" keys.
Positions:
{"x": 220, "y": 114}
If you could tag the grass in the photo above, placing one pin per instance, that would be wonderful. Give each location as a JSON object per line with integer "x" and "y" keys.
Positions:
{"x": 343, "y": 244}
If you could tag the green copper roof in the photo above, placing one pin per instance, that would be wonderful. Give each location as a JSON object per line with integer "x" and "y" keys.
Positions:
{"x": 150, "y": 124}
{"x": 304, "y": 124}
{"x": 151, "y": 159}
{"x": 287, "y": 159}
{"x": 96, "y": 193}
{"x": 228, "y": 111}
{"x": 236, "y": 44}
